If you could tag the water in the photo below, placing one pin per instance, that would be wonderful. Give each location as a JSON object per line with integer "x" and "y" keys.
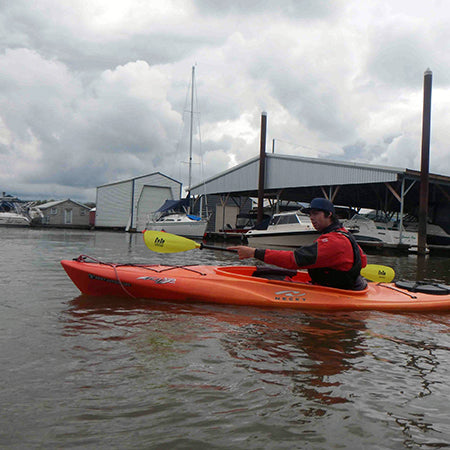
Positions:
{"x": 83, "y": 372}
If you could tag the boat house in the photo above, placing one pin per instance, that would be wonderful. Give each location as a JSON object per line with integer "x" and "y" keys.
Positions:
{"x": 356, "y": 185}
{"x": 125, "y": 205}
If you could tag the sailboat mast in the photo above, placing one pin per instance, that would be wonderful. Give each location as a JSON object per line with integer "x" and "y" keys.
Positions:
{"x": 191, "y": 128}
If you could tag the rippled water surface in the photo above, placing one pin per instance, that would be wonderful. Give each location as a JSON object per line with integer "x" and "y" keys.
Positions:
{"x": 84, "y": 372}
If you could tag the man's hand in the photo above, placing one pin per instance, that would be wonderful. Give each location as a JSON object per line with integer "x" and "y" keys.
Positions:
{"x": 243, "y": 251}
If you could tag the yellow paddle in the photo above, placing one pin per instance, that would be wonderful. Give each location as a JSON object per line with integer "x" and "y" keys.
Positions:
{"x": 378, "y": 273}
{"x": 162, "y": 242}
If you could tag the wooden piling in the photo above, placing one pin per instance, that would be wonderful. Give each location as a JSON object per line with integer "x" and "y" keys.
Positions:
{"x": 425, "y": 162}
{"x": 262, "y": 168}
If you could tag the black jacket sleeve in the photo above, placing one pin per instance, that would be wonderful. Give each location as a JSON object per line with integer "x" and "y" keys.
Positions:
{"x": 306, "y": 255}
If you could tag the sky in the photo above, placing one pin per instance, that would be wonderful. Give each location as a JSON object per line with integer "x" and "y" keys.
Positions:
{"x": 97, "y": 91}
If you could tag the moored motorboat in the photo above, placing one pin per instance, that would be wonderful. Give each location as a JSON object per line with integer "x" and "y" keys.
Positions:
{"x": 12, "y": 218}
{"x": 367, "y": 232}
{"x": 247, "y": 285}
{"x": 436, "y": 232}
{"x": 286, "y": 229}
{"x": 14, "y": 212}
{"x": 436, "y": 235}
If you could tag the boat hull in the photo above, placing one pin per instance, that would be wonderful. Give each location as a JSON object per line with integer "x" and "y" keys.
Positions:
{"x": 235, "y": 285}
{"x": 13, "y": 219}
{"x": 289, "y": 229}
{"x": 377, "y": 235}
{"x": 288, "y": 239}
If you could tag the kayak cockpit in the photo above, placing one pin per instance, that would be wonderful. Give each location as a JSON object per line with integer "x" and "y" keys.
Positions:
{"x": 267, "y": 272}
{"x": 279, "y": 275}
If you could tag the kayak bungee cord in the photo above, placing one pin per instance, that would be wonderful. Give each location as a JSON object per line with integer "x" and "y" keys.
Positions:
{"x": 84, "y": 258}
{"x": 89, "y": 259}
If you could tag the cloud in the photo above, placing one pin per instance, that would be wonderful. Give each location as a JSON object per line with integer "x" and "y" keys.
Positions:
{"x": 94, "y": 92}
{"x": 300, "y": 9}
{"x": 77, "y": 135}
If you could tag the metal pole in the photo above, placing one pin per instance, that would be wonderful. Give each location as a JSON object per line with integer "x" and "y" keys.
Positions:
{"x": 424, "y": 169}
{"x": 402, "y": 202}
{"x": 262, "y": 168}
{"x": 191, "y": 129}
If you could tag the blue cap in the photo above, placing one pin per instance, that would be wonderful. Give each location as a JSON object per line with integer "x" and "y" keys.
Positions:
{"x": 321, "y": 204}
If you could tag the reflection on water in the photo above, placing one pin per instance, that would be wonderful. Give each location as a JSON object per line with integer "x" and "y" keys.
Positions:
{"x": 310, "y": 351}
{"x": 251, "y": 363}
{"x": 85, "y": 372}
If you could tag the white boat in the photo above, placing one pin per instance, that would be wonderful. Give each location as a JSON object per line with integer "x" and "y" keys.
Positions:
{"x": 14, "y": 212}
{"x": 286, "y": 229}
{"x": 436, "y": 235}
{"x": 173, "y": 217}
{"x": 13, "y": 219}
{"x": 377, "y": 234}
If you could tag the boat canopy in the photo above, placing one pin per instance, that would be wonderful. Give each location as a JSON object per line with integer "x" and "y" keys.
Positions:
{"x": 6, "y": 206}
{"x": 174, "y": 205}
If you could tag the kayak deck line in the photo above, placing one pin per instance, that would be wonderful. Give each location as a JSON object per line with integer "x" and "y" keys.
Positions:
{"x": 397, "y": 290}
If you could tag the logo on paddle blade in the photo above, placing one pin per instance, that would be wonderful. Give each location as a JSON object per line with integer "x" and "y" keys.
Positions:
{"x": 159, "y": 242}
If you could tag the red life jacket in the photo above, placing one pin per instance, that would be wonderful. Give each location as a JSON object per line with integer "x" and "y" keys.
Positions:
{"x": 343, "y": 279}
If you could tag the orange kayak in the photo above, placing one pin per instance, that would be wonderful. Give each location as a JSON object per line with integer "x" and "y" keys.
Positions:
{"x": 238, "y": 285}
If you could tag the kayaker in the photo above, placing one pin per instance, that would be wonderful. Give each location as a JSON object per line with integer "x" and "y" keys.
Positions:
{"x": 334, "y": 259}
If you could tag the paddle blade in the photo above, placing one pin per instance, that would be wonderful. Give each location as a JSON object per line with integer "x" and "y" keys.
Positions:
{"x": 374, "y": 272}
{"x": 161, "y": 242}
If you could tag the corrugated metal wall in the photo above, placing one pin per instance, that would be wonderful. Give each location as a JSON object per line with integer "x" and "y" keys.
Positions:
{"x": 282, "y": 172}
{"x": 239, "y": 179}
{"x": 150, "y": 199}
{"x": 114, "y": 204}
{"x": 118, "y": 203}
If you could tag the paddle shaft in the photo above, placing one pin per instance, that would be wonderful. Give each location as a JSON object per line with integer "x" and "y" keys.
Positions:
{"x": 222, "y": 249}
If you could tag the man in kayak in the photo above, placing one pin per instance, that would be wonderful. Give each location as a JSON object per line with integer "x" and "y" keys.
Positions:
{"x": 334, "y": 259}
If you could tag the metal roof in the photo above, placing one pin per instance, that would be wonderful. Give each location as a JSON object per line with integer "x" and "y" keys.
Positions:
{"x": 139, "y": 178}
{"x": 301, "y": 179}
{"x": 293, "y": 171}
{"x": 58, "y": 202}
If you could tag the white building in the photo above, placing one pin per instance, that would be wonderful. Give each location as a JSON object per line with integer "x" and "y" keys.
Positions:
{"x": 127, "y": 204}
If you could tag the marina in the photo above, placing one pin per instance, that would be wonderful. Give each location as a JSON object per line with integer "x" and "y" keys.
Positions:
{"x": 177, "y": 274}
{"x": 293, "y": 179}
